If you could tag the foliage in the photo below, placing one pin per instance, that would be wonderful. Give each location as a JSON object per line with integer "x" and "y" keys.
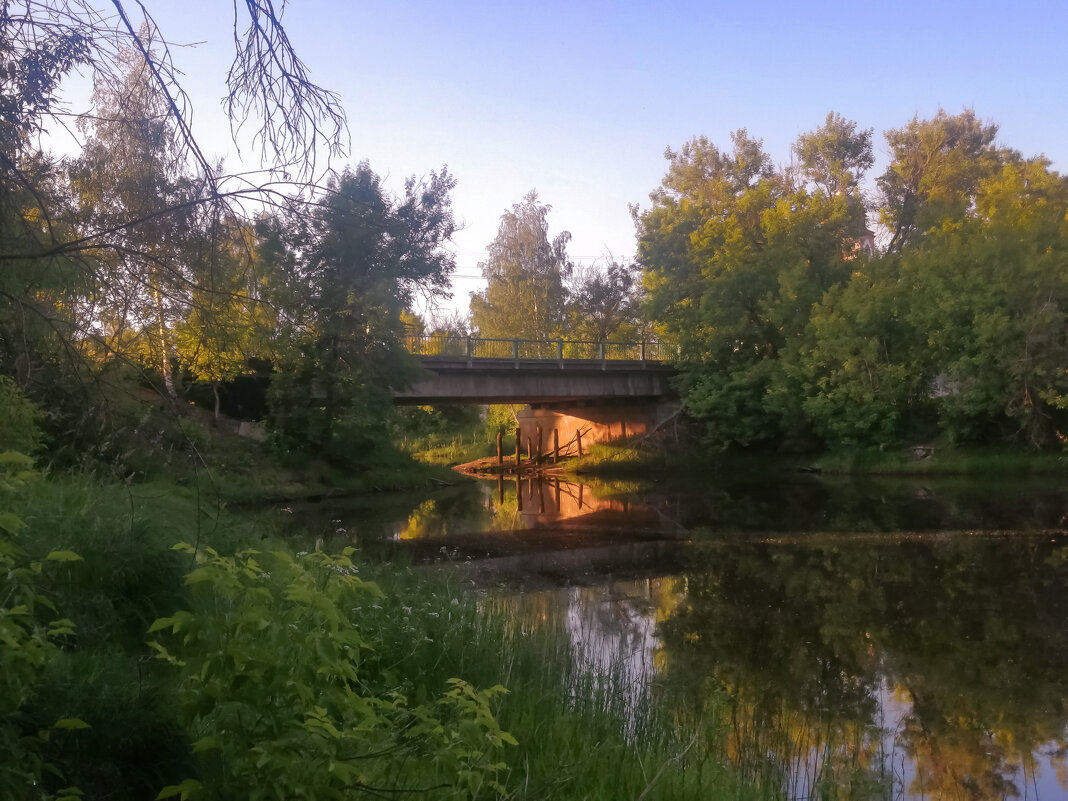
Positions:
{"x": 735, "y": 258}
{"x": 605, "y": 304}
{"x": 793, "y": 335}
{"x": 936, "y": 166}
{"x": 19, "y": 420}
{"x": 525, "y": 294}
{"x": 29, "y": 632}
{"x": 272, "y": 688}
{"x": 345, "y": 272}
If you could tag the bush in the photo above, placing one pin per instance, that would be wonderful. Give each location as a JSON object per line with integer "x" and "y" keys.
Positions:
{"x": 19, "y": 420}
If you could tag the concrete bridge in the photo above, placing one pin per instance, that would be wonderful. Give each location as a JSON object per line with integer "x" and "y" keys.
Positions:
{"x": 576, "y": 389}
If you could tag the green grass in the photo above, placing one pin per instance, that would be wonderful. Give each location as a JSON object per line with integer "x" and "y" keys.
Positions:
{"x": 627, "y": 458}
{"x": 948, "y": 461}
{"x": 450, "y": 450}
{"x": 576, "y": 738}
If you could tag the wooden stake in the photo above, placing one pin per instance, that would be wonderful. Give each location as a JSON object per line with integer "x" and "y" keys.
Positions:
{"x": 517, "y": 447}
{"x": 500, "y": 452}
{"x": 556, "y": 445}
{"x": 578, "y": 438}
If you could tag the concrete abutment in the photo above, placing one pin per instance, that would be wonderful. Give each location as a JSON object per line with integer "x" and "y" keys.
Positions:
{"x": 590, "y": 423}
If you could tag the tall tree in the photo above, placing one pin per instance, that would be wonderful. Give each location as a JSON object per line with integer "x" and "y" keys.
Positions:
{"x": 835, "y": 156}
{"x": 348, "y": 269}
{"x": 935, "y": 169}
{"x": 130, "y": 177}
{"x": 605, "y": 303}
{"x": 734, "y": 259}
{"x": 525, "y": 295}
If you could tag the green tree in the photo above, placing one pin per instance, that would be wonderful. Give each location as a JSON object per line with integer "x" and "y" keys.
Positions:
{"x": 228, "y": 323}
{"x": 734, "y": 259}
{"x": 991, "y": 292}
{"x": 605, "y": 304}
{"x": 131, "y": 177}
{"x": 525, "y": 295}
{"x": 836, "y": 155}
{"x": 936, "y": 166}
{"x": 345, "y": 273}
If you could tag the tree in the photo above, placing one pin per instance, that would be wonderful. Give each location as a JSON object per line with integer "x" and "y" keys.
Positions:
{"x": 90, "y": 284}
{"x": 525, "y": 295}
{"x": 734, "y": 259}
{"x": 131, "y": 169}
{"x": 936, "y": 166}
{"x": 991, "y": 293}
{"x": 836, "y": 155}
{"x": 604, "y": 303}
{"x": 347, "y": 270}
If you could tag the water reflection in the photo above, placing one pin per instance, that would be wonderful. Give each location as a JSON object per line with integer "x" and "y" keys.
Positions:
{"x": 957, "y": 645}
{"x": 854, "y": 640}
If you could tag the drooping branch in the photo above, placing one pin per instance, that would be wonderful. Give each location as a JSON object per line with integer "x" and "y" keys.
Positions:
{"x": 269, "y": 83}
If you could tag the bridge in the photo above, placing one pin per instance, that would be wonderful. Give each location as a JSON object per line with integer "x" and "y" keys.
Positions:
{"x": 576, "y": 389}
{"x": 477, "y": 370}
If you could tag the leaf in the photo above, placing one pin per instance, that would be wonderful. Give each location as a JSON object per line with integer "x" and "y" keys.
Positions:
{"x": 199, "y": 575}
{"x": 205, "y": 744}
{"x": 10, "y": 523}
{"x": 184, "y": 790}
{"x": 71, "y": 724}
{"x": 14, "y": 457}
{"x": 60, "y": 627}
{"x": 63, "y": 556}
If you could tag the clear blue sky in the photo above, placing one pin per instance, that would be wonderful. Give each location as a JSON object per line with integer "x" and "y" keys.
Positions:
{"x": 578, "y": 100}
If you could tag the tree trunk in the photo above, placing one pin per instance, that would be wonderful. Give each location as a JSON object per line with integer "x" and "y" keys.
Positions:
{"x": 165, "y": 362}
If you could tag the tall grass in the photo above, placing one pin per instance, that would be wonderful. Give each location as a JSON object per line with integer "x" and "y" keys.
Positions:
{"x": 583, "y": 733}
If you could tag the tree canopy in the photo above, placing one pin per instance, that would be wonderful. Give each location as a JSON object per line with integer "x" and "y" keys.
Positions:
{"x": 796, "y": 334}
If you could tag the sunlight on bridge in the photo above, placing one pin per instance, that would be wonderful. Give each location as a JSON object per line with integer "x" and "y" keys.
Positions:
{"x": 431, "y": 345}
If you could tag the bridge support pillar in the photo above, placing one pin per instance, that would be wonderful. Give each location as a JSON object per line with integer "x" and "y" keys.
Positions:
{"x": 578, "y": 426}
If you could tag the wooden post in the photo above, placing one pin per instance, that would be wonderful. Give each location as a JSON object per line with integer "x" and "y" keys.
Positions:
{"x": 578, "y": 439}
{"x": 528, "y": 449}
{"x": 500, "y": 489}
{"x": 500, "y": 452}
{"x": 558, "y": 496}
{"x": 518, "y": 494}
{"x": 517, "y": 436}
{"x": 556, "y": 445}
{"x": 537, "y": 448}
{"x": 580, "y": 497}
{"x": 623, "y": 429}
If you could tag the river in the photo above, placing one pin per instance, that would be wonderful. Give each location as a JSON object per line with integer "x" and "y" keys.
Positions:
{"x": 903, "y": 639}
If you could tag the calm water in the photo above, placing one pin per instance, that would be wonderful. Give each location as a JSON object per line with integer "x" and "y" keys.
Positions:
{"x": 892, "y": 639}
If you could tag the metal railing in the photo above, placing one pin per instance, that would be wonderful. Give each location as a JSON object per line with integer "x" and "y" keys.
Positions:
{"x": 539, "y": 349}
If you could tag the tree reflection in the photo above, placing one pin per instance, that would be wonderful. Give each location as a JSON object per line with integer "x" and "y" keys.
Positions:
{"x": 806, "y": 641}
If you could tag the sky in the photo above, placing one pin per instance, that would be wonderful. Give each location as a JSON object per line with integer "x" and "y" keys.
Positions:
{"x": 579, "y": 100}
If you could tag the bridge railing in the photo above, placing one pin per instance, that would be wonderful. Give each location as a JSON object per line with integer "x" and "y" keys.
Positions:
{"x": 520, "y": 349}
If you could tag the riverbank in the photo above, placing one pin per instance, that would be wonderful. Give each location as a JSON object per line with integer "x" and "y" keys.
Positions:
{"x": 631, "y": 458}
{"x": 338, "y": 672}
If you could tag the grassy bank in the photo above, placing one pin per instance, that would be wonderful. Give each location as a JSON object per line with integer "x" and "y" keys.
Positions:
{"x": 631, "y": 458}
{"x": 218, "y": 671}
